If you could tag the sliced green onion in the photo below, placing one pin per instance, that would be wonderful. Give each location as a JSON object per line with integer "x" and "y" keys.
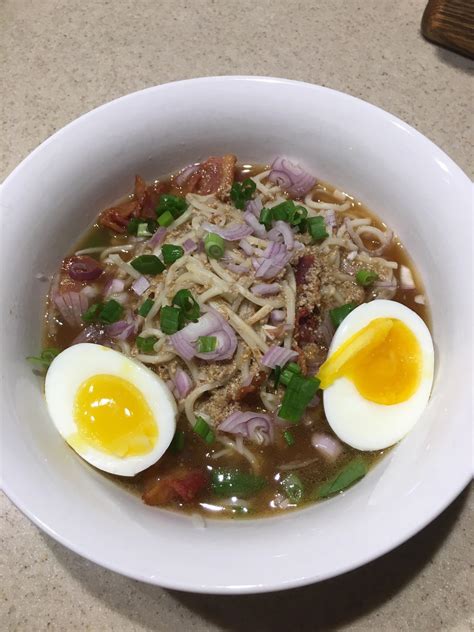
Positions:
{"x": 142, "y": 230}
{"x": 299, "y": 217}
{"x": 146, "y": 307}
{"x": 166, "y": 219}
{"x": 352, "y": 472}
{"x": 206, "y": 344}
{"x": 293, "y": 487}
{"x": 111, "y": 312}
{"x": 276, "y": 374}
{"x": 91, "y": 314}
{"x": 214, "y": 246}
{"x": 288, "y": 437}
{"x": 202, "y": 428}
{"x": 145, "y": 345}
{"x": 171, "y": 253}
{"x": 290, "y": 369}
{"x": 233, "y": 482}
{"x": 299, "y": 393}
{"x": 266, "y": 217}
{"x": 177, "y": 444}
{"x": 338, "y": 314}
{"x": 317, "y": 228}
{"x": 148, "y": 264}
{"x": 241, "y": 192}
{"x": 132, "y": 226}
{"x": 188, "y": 304}
{"x": 366, "y": 277}
{"x": 171, "y": 320}
{"x": 45, "y": 358}
{"x": 173, "y": 204}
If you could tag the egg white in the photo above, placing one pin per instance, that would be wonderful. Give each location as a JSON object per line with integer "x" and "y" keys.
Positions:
{"x": 363, "y": 424}
{"x": 82, "y": 361}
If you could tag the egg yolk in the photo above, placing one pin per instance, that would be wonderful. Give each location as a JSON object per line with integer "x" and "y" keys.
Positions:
{"x": 383, "y": 361}
{"x": 112, "y": 415}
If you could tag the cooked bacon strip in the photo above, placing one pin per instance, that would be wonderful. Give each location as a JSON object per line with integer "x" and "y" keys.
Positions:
{"x": 214, "y": 176}
{"x": 182, "y": 486}
{"x": 117, "y": 217}
{"x": 302, "y": 268}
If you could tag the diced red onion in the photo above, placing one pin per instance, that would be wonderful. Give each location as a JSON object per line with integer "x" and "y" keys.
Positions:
{"x": 122, "y": 329}
{"x": 189, "y": 246}
{"x": 407, "y": 281}
{"x": 246, "y": 247}
{"x": 238, "y": 268}
{"x": 210, "y": 324}
{"x": 257, "y": 228}
{"x": 140, "y": 285}
{"x": 328, "y": 446}
{"x": 257, "y": 427}
{"x": 114, "y": 286}
{"x": 182, "y": 383}
{"x": 92, "y": 333}
{"x": 291, "y": 177}
{"x": 275, "y": 258}
{"x": 157, "y": 237}
{"x": 277, "y": 316}
{"x": 234, "y": 232}
{"x": 278, "y": 356}
{"x": 83, "y": 268}
{"x": 186, "y": 173}
{"x": 283, "y": 229}
{"x": 71, "y": 306}
{"x": 254, "y": 206}
{"x": 266, "y": 289}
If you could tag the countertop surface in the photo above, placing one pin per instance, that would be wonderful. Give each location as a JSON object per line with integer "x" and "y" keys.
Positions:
{"x": 59, "y": 59}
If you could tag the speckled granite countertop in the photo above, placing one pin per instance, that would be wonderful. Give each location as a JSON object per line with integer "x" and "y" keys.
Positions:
{"x": 60, "y": 58}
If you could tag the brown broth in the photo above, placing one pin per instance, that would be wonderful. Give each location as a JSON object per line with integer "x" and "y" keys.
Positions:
{"x": 198, "y": 454}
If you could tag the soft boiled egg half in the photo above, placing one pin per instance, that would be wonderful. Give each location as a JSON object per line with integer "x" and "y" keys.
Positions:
{"x": 378, "y": 376}
{"x": 114, "y": 412}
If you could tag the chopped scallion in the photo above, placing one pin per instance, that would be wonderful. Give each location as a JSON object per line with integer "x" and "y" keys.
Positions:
{"x": 227, "y": 482}
{"x": 350, "y": 473}
{"x": 173, "y": 204}
{"x": 142, "y": 230}
{"x": 288, "y": 437}
{"x": 177, "y": 444}
{"x": 206, "y": 344}
{"x": 214, "y": 246}
{"x": 293, "y": 487}
{"x": 145, "y": 308}
{"x": 338, "y": 314}
{"x": 145, "y": 345}
{"x": 241, "y": 192}
{"x": 366, "y": 277}
{"x": 202, "y": 428}
{"x": 299, "y": 393}
{"x": 166, "y": 219}
{"x": 91, "y": 314}
{"x": 171, "y": 319}
{"x": 317, "y": 228}
{"x": 148, "y": 264}
{"x": 290, "y": 369}
{"x": 110, "y": 312}
{"x": 45, "y": 358}
{"x": 171, "y": 253}
{"x": 266, "y": 217}
{"x": 188, "y": 304}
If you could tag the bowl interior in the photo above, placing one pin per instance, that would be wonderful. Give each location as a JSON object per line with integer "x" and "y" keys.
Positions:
{"x": 57, "y": 192}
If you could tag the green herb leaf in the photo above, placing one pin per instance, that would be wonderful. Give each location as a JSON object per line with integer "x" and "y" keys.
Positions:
{"x": 233, "y": 482}
{"x": 352, "y": 472}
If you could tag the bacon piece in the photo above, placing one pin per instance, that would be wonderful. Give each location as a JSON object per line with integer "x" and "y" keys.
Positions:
{"x": 117, "y": 217}
{"x": 181, "y": 486}
{"x": 306, "y": 325}
{"x": 302, "y": 267}
{"x": 215, "y": 175}
{"x": 245, "y": 391}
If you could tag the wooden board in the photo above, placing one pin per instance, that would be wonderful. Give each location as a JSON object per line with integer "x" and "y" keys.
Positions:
{"x": 450, "y": 23}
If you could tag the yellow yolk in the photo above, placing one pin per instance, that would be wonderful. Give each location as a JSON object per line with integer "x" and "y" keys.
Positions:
{"x": 382, "y": 360}
{"x": 112, "y": 415}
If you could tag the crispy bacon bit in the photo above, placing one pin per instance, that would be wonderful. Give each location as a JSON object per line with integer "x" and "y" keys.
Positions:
{"x": 302, "y": 267}
{"x": 143, "y": 205}
{"x": 245, "y": 391}
{"x": 306, "y": 325}
{"x": 215, "y": 175}
{"x": 181, "y": 486}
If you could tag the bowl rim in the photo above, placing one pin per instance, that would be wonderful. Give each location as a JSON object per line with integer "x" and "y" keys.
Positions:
{"x": 446, "y": 495}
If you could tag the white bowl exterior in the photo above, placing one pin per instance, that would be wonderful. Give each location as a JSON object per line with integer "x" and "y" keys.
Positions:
{"x": 55, "y": 194}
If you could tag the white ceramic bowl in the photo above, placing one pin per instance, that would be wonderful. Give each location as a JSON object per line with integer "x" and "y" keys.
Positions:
{"x": 57, "y": 191}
